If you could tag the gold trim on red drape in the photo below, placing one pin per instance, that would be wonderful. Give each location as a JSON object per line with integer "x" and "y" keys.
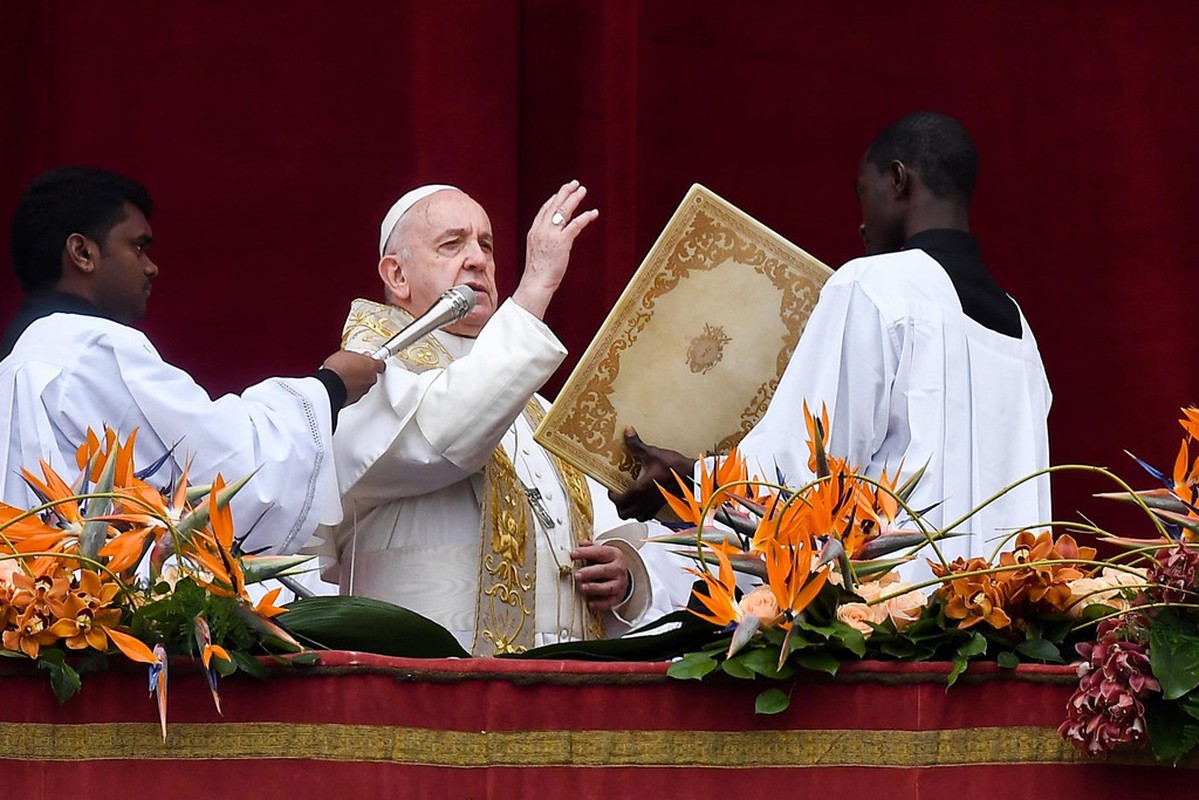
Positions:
{"x": 555, "y": 748}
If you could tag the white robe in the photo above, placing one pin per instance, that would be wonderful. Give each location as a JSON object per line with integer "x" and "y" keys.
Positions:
{"x": 409, "y": 456}
{"x": 69, "y": 372}
{"x": 908, "y": 378}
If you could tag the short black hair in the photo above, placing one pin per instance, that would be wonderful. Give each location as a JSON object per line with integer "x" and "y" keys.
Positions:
{"x": 935, "y": 145}
{"x": 61, "y": 202}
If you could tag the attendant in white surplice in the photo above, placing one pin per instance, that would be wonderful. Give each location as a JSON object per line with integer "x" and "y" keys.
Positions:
{"x": 450, "y": 508}
{"x": 71, "y": 362}
{"x": 917, "y": 353}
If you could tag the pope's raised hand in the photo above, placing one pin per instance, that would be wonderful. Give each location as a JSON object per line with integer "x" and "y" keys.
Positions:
{"x": 547, "y": 251}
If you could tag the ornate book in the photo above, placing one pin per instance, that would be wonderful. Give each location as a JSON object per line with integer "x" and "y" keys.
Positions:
{"x": 694, "y": 348}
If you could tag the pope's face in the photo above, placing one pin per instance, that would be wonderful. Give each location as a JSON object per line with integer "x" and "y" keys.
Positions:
{"x": 446, "y": 242}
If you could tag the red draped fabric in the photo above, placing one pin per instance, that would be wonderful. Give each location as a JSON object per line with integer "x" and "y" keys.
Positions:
{"x": 370, "y": 726}
{"x": 274, "y": 135}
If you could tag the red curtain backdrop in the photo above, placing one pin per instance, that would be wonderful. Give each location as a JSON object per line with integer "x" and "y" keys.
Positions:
{"x": 274, "y": 135}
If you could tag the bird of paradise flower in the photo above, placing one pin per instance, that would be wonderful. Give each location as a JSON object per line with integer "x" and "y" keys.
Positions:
{"x": 76, "y": 551}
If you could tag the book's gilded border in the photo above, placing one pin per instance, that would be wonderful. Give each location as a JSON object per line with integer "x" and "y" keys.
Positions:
{"x": 703, "y": 233}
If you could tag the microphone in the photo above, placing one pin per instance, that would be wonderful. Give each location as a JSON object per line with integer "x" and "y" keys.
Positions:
{"x": 452, "y": 306}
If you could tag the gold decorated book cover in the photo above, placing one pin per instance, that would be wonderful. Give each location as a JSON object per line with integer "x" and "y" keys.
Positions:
{"x": 694, "y": 348}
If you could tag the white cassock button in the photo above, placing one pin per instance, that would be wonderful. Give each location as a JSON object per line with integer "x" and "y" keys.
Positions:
{"x": 564, "y": 635}
{"x": 561, "y": 521}
{"x": 524, "y": 450}
{"x": 537, "y": 474}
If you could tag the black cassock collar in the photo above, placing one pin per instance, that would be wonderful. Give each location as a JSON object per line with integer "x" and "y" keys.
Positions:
{"x": 42, "y": 304}
{"x": 982, "y": 298}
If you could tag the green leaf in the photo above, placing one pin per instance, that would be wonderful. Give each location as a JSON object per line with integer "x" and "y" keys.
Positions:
{"x": 1041, "y": 649}
{"x": 772, "y": 701}
{"x": 1008, "y": 660}
{"x": 223, "y": 668}
{"x": 64, "y": 680}
{"x": 305, "y": 659}
{"x": 248, "y": 664}
{"x": 692, "y": 666}
{"x": 1174, "y": 655}
{"x": 898, "y": 649}
{"x": 1172, "y": 733}
{"x": 765, "y": 662}
{"x": 736, "y": 668}
{"x": 818, "y": 661}
{"x": 976, "y": 645}
{"x": 367, "y": 625}
{"x": 851, "y": 638}
{"x": 689, "y": 634}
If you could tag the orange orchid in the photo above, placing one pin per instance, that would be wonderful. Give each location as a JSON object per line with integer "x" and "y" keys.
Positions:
{"x": 1045, "y": 571}
{"x": 34, "y": 628}
{"x": 974, "y": 598}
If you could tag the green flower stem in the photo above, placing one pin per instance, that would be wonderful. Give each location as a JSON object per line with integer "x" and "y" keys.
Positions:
{"x": 1063, "y": 468}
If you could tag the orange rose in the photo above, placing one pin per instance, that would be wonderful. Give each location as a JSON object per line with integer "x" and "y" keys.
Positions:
{"x": 859, "y": 616}
{"x": 905, "y": 609}
{"x": 1104, "y": 588}
{"x": 762, "y": 604}
{"x": 873, "y": 590}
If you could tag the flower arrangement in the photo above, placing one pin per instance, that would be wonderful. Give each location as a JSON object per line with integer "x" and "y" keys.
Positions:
{"x": 70, "y": 589}
{"x": 818, "y": 586}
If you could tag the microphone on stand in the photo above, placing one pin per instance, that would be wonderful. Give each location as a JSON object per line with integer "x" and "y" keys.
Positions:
{"x": 452, "y": 306}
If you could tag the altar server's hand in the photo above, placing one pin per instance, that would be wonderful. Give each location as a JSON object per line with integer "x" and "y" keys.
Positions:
{"x": 643, "y": 500}
{"x": 604, "y": 581}
{"x": 548, "y": 250}
{"x": 357, "y": 371}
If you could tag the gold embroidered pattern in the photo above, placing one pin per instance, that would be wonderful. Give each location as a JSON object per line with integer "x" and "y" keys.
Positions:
{"x": 370, "y": 324}
{"x": 508, "y": 574}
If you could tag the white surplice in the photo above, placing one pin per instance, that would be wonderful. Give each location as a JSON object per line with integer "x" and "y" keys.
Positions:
{"x": 71, "y": 372}
{"x": 410, "y": 456}
{"x": 907, "y": 378}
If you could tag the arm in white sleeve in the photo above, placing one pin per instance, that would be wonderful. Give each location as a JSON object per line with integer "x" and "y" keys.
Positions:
{"x": 416, "y": 433}
{"x": 280, "y": 430}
